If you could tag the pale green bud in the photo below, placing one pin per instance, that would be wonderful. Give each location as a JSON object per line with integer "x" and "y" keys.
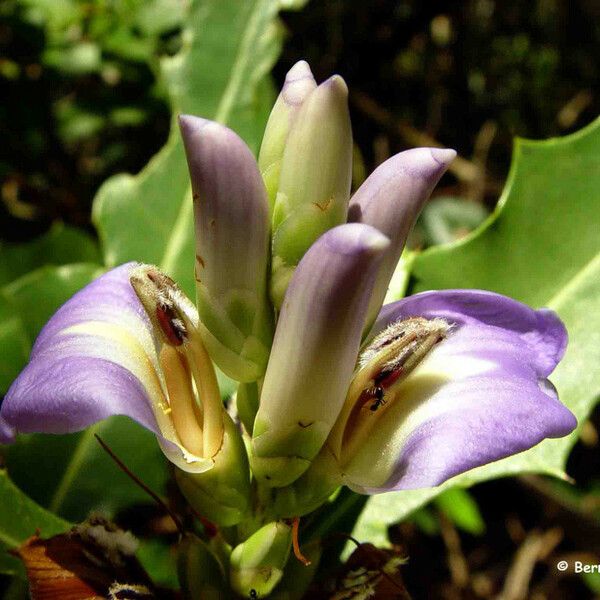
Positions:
{"x": 222, "y": 495}
{"x": 258, "y": 563}
{"x": 299, "y": 83}
{"x": 315, "y": 179}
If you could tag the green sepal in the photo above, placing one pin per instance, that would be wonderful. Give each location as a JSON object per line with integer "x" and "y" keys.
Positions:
{"x": 237, "y": 331}
{"x": 310, "y": 491}
{"x": 222, "y": 494}
{"x": 258, "y": 563}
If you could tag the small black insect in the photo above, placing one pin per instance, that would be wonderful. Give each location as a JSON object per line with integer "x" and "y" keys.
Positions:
{"x": 253, "y": 595}
{"x": 379, "y": 398}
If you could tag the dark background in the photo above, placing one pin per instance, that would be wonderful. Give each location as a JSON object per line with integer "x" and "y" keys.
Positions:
{"x": 470, "y": 75}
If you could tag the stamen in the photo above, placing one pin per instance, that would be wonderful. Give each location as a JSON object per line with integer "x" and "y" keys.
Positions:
{"x": 174, "y": 316}
{"x": 383, "y": 366}
{"x": 182, "y": 400}
{"x": 171, "y": 326}
{"x": 205, "y": 378}
{"x": 163, "y": 302}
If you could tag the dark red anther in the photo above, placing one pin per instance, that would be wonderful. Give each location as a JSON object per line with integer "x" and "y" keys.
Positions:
{"x": 387, "y": 378}
{"x": 168, "y": 323}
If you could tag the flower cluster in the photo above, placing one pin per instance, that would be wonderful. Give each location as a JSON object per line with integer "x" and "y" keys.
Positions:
{"x": 291, "y": 274}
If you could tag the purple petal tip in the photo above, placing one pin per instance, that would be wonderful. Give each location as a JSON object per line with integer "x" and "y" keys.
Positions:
{"x": 336, "y": 84}
{"x": 299, "y": 83}
{"x": 190, "y": 124}
{"x": 301, "y": 70}
{"x": 356, "y": 238}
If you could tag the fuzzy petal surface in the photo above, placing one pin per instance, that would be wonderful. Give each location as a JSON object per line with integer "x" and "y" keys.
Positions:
{"x": 391, "y": 199}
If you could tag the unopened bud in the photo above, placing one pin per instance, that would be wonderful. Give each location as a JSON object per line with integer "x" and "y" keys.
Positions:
{"x": 231, "y": 215}
{"x": 315, "y": 178}
{"x": 299, "y": 83}
{"x": 257, "y": 564}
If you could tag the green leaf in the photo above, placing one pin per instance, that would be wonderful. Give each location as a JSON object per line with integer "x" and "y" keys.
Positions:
{"x": 220, "y": 74}
{"x": 25, "y": 306}
{"x": 446, "y": 219}
{"x": 541, "y": 246}
{"x": 37, "y": 295}
{"x": 59, "y": 246}
{"x": 460, "y": 507}
{"x": 20, "y": 518}
{"x": 14, "y": 341}
{"x": 72, "y": 475}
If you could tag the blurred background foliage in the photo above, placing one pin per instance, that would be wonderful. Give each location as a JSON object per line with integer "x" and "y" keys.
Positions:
{"x": 82, "y": 100}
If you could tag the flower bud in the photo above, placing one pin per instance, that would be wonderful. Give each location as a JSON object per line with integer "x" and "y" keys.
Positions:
{"x": 391, "y": 199}
{"x": 222, "y": 495}
{"x": 314, "y": 351}
{"x": 299, "y": 83}
{"x": 232, "y": 248}
{"x": 315, "y": 178}
{"x": 257, "y": 564}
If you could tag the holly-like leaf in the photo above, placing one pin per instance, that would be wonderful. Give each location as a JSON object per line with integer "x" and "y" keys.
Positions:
{"x": 541, "y": 246}
{"x": 59, "y": 246}
{"x": 220, "y": 74}
{"x": 20, "y": 518}
{"x": 27, "y": 303}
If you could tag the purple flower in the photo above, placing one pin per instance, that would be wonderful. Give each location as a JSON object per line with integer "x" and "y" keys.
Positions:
{"x": 445, "y": 381}
{"x": 99, "y": 356}
{"x": 480, "y": 392}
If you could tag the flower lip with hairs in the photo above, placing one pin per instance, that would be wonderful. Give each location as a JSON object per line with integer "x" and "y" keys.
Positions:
{"x": 480, "y": 394}
{"x": 98, "y": 356}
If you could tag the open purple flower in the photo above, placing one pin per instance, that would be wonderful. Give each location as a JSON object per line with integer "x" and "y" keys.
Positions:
{"x": 444, "y": 381}
{"x": 465, "y": 385}
{"x": 101, "y": 355}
